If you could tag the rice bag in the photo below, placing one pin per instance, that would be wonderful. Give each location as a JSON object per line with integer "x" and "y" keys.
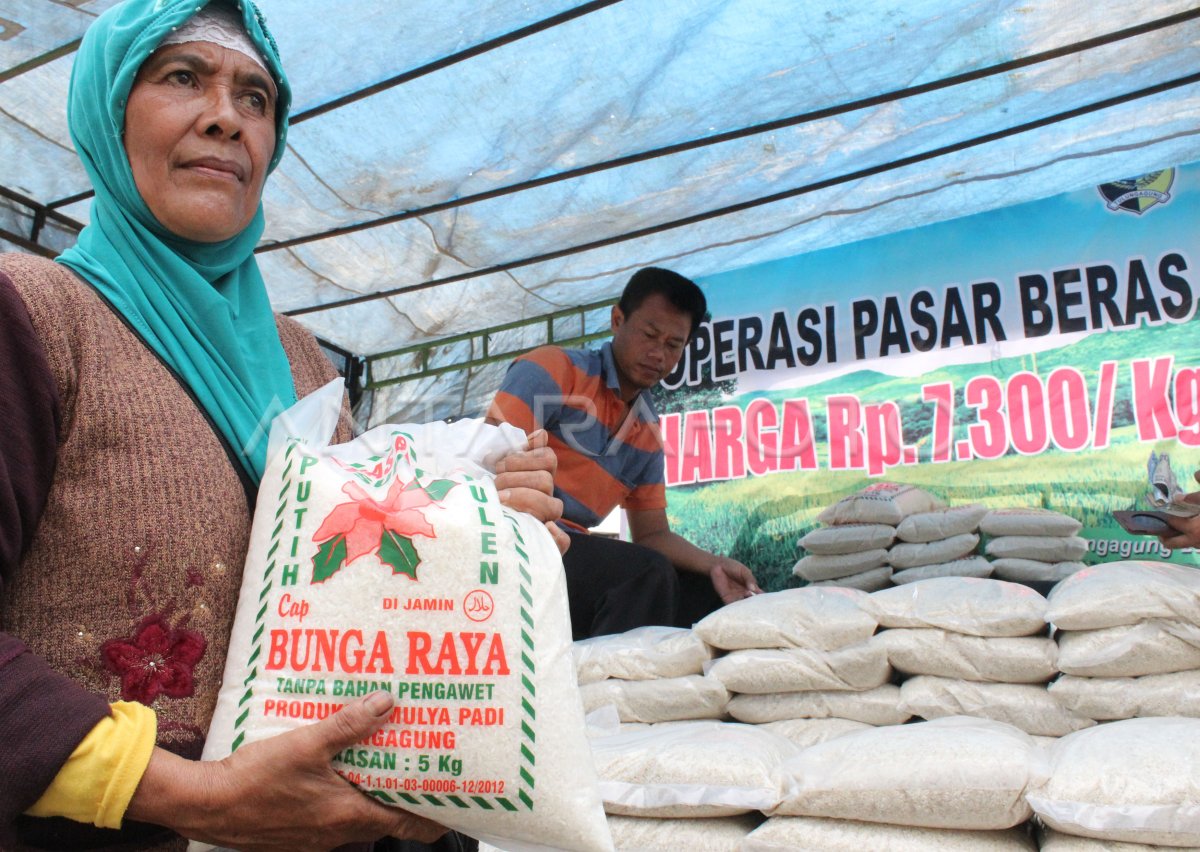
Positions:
{"x": 692, "y": 769}
{"x": 816, "y": 567}
{"x": 1118, "y": 593}
{"x": 997, "y": 659}
{"x": 818, "y": 834}
{"x": 663, "y": 700}
{"x": 1028, "y": 521}
{"x": 951, "y": 773}
{"x": 761, "y": 670}
{"x": 848, "y": 538}
{"x": 969, "y": 566}
{"x": 389, "y": 563}
{"x": 978, "y": 606}
{"x": 878, "y": 706}
{"x": 916, "y": 554}
{"x": 1027, "y": 706}
{"x": 1174, "y": 694}
{"x": 1133, "y": 781}
{"x": 824, "y": 618}
{"x": 941, "y": 523}
{"x": 644, "y": 653}
{"x": 880, "y": 503}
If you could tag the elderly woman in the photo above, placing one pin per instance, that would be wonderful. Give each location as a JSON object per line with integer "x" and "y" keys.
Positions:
{"x": 138, "y": 374}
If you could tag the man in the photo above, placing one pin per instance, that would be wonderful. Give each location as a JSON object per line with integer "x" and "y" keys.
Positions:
{"x": 596, "y": 407}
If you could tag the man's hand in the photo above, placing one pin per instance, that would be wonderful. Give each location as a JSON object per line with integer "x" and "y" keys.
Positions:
{"x": 525, "y": 482}
{"x": 279, "y": 794}
{"x": 732, "y": 580}
{"x": 1187, "y": 530}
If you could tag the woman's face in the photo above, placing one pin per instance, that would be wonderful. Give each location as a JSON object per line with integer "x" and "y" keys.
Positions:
{"x": 199, "y": 134}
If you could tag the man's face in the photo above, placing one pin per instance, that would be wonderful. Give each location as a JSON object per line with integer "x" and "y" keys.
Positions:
{"x": 648, "y": 343}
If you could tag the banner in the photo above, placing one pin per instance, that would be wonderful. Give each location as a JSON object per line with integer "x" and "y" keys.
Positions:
{"x": 1032, "y": 356}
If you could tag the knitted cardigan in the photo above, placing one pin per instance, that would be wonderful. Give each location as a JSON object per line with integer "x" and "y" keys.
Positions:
{"x": 124, "y": 529}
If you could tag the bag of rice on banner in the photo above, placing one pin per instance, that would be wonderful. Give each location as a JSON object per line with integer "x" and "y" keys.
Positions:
{"x": 1040, "y": 548}
{"x": 1028, "y": 521}
{"x": 817, "y": 567}
{"x": 389, "y": 563}
{"x": 941, "y": 523}
{"x": 865, "y": 581}
{"x": 848, "y": 538}
{"x": 970, "y": 566}
{"x": 916, "y": 554}
{"x": 881, "y": 503}
{"x": 1033, "y": 570}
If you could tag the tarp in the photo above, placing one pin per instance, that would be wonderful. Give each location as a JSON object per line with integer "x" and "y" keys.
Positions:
{"x": 459, "y": 164}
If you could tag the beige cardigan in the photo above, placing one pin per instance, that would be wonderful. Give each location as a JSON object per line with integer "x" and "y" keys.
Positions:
{"x": 130, "y": 583}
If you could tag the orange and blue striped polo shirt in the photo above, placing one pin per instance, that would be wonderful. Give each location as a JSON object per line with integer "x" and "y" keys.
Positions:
{"x": 609, "y": 454}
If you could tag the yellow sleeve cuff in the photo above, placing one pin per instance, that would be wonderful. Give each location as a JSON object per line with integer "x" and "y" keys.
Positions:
{"x": 101, "y": 775}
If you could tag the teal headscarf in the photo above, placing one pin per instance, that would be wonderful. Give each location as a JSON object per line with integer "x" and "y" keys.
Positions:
{"x": 202, "y": 307}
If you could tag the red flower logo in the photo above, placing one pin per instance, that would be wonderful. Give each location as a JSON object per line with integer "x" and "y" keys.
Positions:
{"x": 157, "y": 660}
{"x": 366, "y": 525}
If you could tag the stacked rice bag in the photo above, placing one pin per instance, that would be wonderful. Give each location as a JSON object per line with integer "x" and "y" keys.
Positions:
{"x": 801, "y": 654}
{"x": 1129, "y": 640}
{"x": 1132, "y": 781}
{"x": 953, "y": 783}
{"x": 939, "y": 543}
{"x": 852, "y": 548}
{"x": 651, "y": 674}
{"x": 1031, "y": 545}
{"x": 974, "y": 647}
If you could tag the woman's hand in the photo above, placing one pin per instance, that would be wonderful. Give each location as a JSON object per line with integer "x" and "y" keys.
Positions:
{"x": 280, "y": 794}
{"x": 525, "y": 482}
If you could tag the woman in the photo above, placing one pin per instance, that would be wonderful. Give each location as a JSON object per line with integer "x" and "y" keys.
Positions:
{"x": 139, "y": 374}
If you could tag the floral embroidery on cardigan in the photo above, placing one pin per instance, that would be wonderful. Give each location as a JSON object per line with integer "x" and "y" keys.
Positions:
{"x": 159, "y": 656}
{"x": 156, "y": 660}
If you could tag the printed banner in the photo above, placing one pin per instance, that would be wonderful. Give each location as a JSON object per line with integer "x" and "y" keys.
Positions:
{"x": 1027, "y": 357}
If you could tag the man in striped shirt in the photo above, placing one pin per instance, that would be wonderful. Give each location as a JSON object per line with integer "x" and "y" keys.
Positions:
{"x": 596, "y": 408}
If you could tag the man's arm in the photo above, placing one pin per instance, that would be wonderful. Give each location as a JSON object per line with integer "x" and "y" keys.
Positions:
{"x": 731, "y": 580}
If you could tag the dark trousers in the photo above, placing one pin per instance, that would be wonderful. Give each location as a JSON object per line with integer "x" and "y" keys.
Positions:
{"x": 450, "y": 842}
{"x": 614, "y": 586}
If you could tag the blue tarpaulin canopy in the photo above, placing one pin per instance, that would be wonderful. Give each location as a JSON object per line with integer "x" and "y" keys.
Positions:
{"x": 460, "y": 164}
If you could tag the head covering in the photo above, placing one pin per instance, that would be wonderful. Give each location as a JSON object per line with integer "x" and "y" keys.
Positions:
{"x": 202, "y": 307}
{"x": 219, "y": 25}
